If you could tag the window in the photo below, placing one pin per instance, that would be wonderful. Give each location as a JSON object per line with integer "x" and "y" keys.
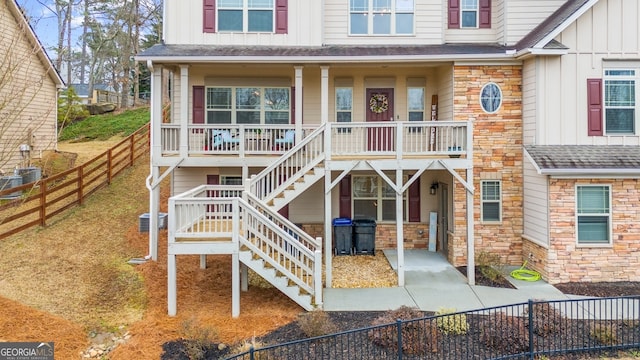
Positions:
{"x": 344, "y": 106}
{"x": 231, "y": 180}
{"x": 381, "y": 17}
{"x": 373, "y": 198}
{"x": 594, "y": 214}
{"x": 620, "y": 98}
{"x": 469, "y": 14}
{"x": 491, "y": 202}
{"x": 415, "y": 103}
{"x": 245, "y": 15}
{"x": 490, "y": 98}
{"x": 247, "y": 105}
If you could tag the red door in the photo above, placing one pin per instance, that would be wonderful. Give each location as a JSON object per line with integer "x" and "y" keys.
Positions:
{"x": 379, "y": 108}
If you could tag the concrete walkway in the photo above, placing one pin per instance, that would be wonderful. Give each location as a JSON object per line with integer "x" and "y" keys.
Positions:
{"x": 432, "y": 283}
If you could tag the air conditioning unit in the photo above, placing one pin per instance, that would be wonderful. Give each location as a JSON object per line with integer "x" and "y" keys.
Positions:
{"x": 143, "y": 225}
{"x": 9, "y": 182}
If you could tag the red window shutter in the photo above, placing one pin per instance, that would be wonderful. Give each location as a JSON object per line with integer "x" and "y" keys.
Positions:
{"x": 414, "y": 201}
{"x": 594, "y": 100}
{"x": 454, "y": 14}
{"x": 345, "y": 197}
{"x": 282, "y": 16}
{"x": 198, "y": 104}
{"x": 485, "y": 14}
{"x": 209, "y": 16}
{"x": 213, "y": 179}
{"x": 293, "y": 104}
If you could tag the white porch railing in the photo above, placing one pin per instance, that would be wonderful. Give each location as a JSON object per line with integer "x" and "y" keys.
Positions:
{"x": 393, "y": 138}
{"x": 217, "y": 214}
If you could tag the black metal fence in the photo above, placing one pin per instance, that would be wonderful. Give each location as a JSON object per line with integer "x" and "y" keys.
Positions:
{"x": 536, "y": 329}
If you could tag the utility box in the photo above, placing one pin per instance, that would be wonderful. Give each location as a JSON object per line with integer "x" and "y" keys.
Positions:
{"x": 342, "y": 236}
{"x": 364, "y": 236}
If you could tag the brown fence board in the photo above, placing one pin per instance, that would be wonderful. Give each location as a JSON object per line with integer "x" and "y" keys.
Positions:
{"x": 51, "y": 196}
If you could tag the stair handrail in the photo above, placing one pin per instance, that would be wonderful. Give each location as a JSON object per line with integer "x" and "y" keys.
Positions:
{"x": 274, "y": 178}
{"x": 309, "y": 261}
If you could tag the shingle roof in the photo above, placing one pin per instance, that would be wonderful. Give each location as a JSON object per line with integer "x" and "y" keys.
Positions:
{"x": 163, "y": 50}
{"x": 585, "y": 159}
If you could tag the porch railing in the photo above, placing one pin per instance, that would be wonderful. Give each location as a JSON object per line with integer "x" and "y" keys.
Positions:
{"x": 219, "y": 214}
{"x": 393, "y": 138}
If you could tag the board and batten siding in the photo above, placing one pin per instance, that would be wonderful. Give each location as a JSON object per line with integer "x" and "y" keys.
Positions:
{"x": 184, "y": 25}
{"x": 522, "y": 16}
{"x": 609, "y": 30}
{"x": 428, "y": 27}
{"x": 28, "y": 94}
{"x": 536, "y": 205}
{"x": 529, "y": 96}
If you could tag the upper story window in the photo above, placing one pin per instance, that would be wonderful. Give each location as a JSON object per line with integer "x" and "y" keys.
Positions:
{"x": 620, "y": 101}
{"x": 381, "y": 17}
{"x": 247, "y": 105}
{"x": 469, "y": 14}
{"x": 245, "y": 16}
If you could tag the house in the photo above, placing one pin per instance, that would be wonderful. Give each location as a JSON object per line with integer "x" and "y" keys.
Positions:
{"x": 28, "y": 92}
{"x": 509, "y": 127}
{"x": 100, "y": 93}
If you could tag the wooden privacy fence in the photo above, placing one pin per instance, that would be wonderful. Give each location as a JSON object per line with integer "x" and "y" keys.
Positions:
{"x": 41, "y": 200}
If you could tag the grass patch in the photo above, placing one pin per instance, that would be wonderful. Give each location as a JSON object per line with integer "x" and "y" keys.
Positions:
{"x": 103, "y": 127}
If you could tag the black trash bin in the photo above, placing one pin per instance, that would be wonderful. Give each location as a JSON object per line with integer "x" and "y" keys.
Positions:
{"x": 342, "y": 236}
{"x": 364, "y": 236}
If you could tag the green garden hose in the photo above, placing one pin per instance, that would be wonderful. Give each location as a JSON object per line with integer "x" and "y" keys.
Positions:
{"x": 525, "y": 274}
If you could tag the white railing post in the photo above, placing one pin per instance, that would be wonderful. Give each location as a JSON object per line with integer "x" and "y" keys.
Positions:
{"x": 399, "y": 136}
{"x": 317, "y": 274}
{"x": 469, "y": 135}
{"x": 327, "y": 141}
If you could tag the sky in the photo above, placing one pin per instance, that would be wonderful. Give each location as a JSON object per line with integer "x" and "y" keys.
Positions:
{"x": 43, "y": 21}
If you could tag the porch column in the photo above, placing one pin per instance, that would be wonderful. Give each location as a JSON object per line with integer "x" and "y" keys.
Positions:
{"x": 471, "y": 274}
{"x": 156, "y": 153}
{"x": 184, "y": 111}
{"x": 399, "y": 228}
{"x": 298, "y": 97}
{"x": 324, "y": 94}
{"x": 328, "y": 236}
{"x": 171, "y": 285}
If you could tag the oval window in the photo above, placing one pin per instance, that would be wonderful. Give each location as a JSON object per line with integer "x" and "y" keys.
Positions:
{"x": 491, "y": 97}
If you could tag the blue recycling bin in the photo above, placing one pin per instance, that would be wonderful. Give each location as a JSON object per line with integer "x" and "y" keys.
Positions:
{"x": 342, "y": 236}
{"x": 364, "y": 236}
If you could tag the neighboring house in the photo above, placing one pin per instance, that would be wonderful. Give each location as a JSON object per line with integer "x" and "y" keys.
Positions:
{"x": 534, "y": 154}
{"x": 100, "y": 93}
{"x": 28, "y": 92}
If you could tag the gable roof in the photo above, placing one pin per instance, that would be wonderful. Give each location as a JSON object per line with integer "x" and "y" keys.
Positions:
{"x": 541, "y": 37}
{"x": 585, "y": 159}
{"x": 19, "y": 15}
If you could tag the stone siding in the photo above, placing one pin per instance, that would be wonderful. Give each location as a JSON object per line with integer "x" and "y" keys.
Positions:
{"x": 497, "y": 156}
{"x": 568, "y": 262}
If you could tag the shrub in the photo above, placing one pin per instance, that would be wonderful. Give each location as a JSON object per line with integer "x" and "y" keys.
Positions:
{"x": 546, "y": 319}
{"x": 197, "y": 338}
{"x": 316, "y": 323}
{"x": 451, "y": 324}
{"x": 605, "y": 334}
{"x": 246, "y": 345}
{"x": 418, "y": 336}
{"x": 490, "y": 265}
{"x": 69, "y": 108}
{"x": 505, "y": 333}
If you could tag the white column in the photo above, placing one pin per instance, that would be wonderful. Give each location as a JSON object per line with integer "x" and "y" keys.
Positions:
{"x": 203, "y": 261}
{"x": 298, "y": 89}
{"x": 171, "y": 285}
{"x": 328, "y": 236}
{"x": 184, "y": 111}
{"x": 399, "y": 228}
{"x": 471, "y": 274}
{"x": 156, "y": 153}
{"x": 235, "y": 284}
{"x": 154, "y": 211}
{"x": 324, "y": 94}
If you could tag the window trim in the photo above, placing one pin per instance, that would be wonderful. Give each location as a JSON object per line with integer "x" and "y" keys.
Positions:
{"x": 370, "y": 13}
{"x": 636, "y": 79}
{"x": 492, "y": 201}
{"x": 609, "y": 242}
{"x": 245, "y": 18}
{"x": 476, "y": 11}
